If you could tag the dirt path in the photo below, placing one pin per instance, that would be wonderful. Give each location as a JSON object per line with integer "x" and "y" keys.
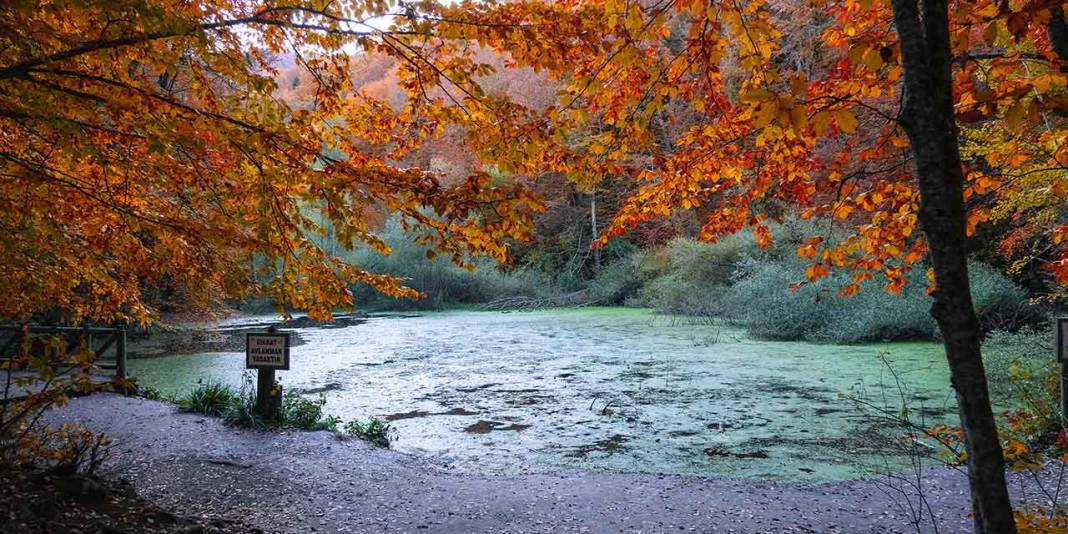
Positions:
{"x": 302, "y": 482}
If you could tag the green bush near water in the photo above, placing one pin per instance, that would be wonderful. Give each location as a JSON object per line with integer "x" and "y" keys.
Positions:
{"x": 689, "y": 277}
{"x": 443, "y": 282}
{"x": 238, "y": 408}
{"x": 739, "y": 282}
{"x": 208, "y": 397}
{"x": 1030, "y": 350}
{"x": 307, "y": 414}
{"x": 816, "y": 313}
{"x": 374, "y": 431}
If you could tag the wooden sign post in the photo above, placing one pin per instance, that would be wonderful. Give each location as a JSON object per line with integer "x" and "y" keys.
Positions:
{"x": 267, "y": 353}
{"x": 1062, "y": 358}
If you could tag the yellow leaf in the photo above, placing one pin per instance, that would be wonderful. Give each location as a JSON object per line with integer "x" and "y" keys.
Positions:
{"x": 846, "y": 120}
{"x": 816, "y": 271}
{"x": 990, "y": 34}
{"x": 757, "y": 95}
{"x": 821, "y": 121}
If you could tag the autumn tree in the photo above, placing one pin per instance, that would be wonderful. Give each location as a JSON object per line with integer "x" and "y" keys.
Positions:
{"x": 141, "y": 144}
{"x": 860, "y": 125}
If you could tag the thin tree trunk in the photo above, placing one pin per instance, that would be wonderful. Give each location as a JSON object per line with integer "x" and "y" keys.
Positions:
{"x": 593, "y": 228}
{"x": 1057, "y": 29}
{"x": 928, "y": 120}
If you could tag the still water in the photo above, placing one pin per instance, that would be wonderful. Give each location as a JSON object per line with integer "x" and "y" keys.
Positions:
{"x": 605, "y": 389}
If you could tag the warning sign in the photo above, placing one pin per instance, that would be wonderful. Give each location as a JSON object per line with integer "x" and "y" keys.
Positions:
{"x": 267, "y": 351}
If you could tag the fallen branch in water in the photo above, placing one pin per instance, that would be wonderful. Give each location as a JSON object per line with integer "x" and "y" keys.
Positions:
{"x": 576, "y": 299}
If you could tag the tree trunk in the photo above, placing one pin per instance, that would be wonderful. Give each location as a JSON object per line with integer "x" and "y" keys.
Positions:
{"x": 927, "y": 119}
{"x": 593, "y": 229}
{"x": 1057, "y": 30}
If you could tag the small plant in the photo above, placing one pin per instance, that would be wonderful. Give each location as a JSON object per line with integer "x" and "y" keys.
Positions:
{"x": 208, "y": 397}
{"x": 374, "y": 430}
{"x": 64, "y": 450}
{"x": 331, "y": 423}
{"x": 307, "y": 414}
{"x": 241, "y": 410}
{"x": 148, "y": 392}
{"x": 51, "y": 372}
{"x": 238, "y": 408}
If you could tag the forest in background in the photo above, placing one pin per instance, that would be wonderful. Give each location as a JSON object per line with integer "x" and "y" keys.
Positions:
{"x": 661, "y": 264}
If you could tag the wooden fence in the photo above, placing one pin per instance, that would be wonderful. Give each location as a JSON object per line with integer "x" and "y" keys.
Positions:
{"x": 97, "y": 339}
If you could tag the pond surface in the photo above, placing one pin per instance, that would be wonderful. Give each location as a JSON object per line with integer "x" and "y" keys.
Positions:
{"x": 606, "y": 389}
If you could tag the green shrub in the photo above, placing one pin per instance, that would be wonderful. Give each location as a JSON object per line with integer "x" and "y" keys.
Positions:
{"x": 1027, "y": 350}
{"x": 761, "y": 301}
{"x": 443, "y": 282}
{"x": 241, "y": 410}
{"x": 618, "y": 282}
{"x": 690, "y": 277}
{"x": 238, "y": 408}
{"x": 999, "y": 302}
{"x": 307, "y": 414}
{"x": 208, "y": 397}
{"x": 297, "y": 412}
{"x": 374, "y": 430}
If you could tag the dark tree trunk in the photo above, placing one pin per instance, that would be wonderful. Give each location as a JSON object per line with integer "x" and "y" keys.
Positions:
{"x": 927, "y": 117}
{"x": 1057, "y": 29}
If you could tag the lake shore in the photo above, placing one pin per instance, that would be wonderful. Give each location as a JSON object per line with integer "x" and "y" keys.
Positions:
{"x": 301, "y": 482}
{"x": 605, "y": 389}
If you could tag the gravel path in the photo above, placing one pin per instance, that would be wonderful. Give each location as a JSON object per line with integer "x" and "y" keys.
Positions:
{"x": 302, "y": 482}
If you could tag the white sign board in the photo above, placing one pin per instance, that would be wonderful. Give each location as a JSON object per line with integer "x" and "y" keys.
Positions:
{"x": 267, "y": 351}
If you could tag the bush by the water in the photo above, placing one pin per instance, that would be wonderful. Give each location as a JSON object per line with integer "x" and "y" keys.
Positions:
{"x": 238, "y": 408}
{"x": 690, "y": 277}
{"x": 306, "y": 414}
{"x": 374, "y": 431}
{"x": 443, "y": 282}
{"x": 736, "y": 280}
{"x": 815, "y": 312}
{"x": 1010, "y": 357}
{"x": 207, "y": 397}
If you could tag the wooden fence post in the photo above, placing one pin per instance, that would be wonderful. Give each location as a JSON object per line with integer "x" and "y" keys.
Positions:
{"x": 269, "y": 406}
{"x": 264, "y": 385}
{"x": 1062, "y": 359}
{"x": 120, "y": 353}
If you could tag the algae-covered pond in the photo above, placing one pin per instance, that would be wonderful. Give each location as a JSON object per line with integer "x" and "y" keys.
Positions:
{"x": 606, "y": 389}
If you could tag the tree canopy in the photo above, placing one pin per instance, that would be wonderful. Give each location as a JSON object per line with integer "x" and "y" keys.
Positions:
{"x": 143, "y": 145}
{"x": 736, "y": 110}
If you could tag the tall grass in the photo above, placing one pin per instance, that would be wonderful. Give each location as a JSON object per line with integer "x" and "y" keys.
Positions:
{"x": 761, "y": 302}
{"x": 207, "y": 397}
{"x": 690, "y": 277}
